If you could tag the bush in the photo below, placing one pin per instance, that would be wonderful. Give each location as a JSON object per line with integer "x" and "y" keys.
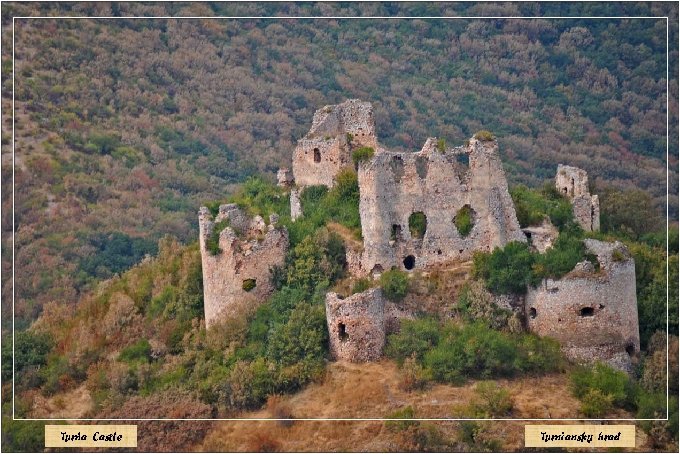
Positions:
{"x": 596, "y": 386}
{"x": 362, "y": 154}
{"x": 212, "y": 244}
{"x": 484, "y": 136}
{"x": 464, "y": 221}
{"x": 249, "y": 384}
{"x": 405, "y": 415}
{"x": 413, "y": 375}
{"x": 394, "y": 284}
{"x": 302, "y": 337}
{"x": 441, "y": 145}
{"x": 506, "y": 270}
{"x": 491, "y": 401}
{"x": 137, "y": 352}
{"x": 472, "y": 351}
{"x": 414, "y": 339}
{"x": 361, "y": 285}
{"x": 417, "y": 224}
{"x": 532, "y": 206}
{"x": 249, "y": 284}
{"x": 595, "y": 403}
{"x": 476, "y": 303}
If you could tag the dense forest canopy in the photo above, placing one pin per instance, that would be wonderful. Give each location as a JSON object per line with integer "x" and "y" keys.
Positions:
{"x": 125, "y": 126}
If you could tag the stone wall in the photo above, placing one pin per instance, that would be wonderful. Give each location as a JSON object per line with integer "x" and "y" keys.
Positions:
{"x": 573, "y": 183}
{"x": 358, "y": 324}
{"x": 249, "y": 249}
{"x": 542, "y": 237}
{"x": 327, "y": 147}
{"x": 394, "y": 185}
{"x": 593, "y": 314}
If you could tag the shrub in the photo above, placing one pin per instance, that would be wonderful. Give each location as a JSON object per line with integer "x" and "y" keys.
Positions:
{"x": 472, "y": 351}
{"x": 491, "y": 401}
{"x": 557, "y": 261}
{"x": 484, "y": 136}
{"x": 361, "y": 285}
{"x": 602, "y": 384}
{"x": 477, "y": 351}
{"x": 303, "y": 336}
{"x": 532, "y": 206}
{"x": 476, "y": 303}
{"x": 362, "y": 154}
{"x": 413, "y": 375}
{"x": 249, "y": 384}
{"x": 249, "y": 284}
{"x": 441, "y": 145}
{"x": 394, "y": 284}
{"x": 506, "y": 270}
{"x": 417, "y": 224}
{"x": 212, "y": 244}
{"x": 414, "y": 339}
{"x": 464, "y": 220}
{"x": 137, "y": 352}
{"x": 401, "y": 419}
{"x": 595, "y": 403}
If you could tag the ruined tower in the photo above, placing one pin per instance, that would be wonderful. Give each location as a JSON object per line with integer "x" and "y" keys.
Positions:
{"x": 573, "y": 183}
{"x": 437, "y": 190}
{"x": 236, "y": 278}
{"x": 591, "y": 312}
{"x": 327, "y": 148}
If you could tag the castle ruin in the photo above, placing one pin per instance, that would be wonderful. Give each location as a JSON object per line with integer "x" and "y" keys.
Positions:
{"x": 418, "y": 211}
{"x": 572, "y": 182}
{"x": 236, "y": 279}
{"x": 592, "y": 312}
{"x": 437, "y": 186}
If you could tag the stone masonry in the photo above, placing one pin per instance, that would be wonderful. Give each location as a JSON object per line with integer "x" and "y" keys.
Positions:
{"x": 249, "y": 249}
{"x": 573, "y": 183}
{"x": 592, "y": 313}
{"x": 394, "y": 186}
{"x": 358, "y": 324}
{"x": 327, "y": 147}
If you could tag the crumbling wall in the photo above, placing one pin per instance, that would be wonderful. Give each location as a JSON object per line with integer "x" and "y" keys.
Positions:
{"x": 542, "y": 237}
{"x": 327, "y": 147}
{"x": 573, "y": 183}
{"x": 593, "y": 314}
{"x": 249, "y": 249}
{"x": 393, "y": 186}
{"x": 358, "y": 324}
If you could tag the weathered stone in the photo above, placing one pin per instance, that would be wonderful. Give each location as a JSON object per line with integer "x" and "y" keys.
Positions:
{"x": 393, "y": 186}
{"x": 573, "y": 183}
{"x": 284, "y": 178}
{"x": 592, "y": 315}
{"x": 327, "y": 147}
{"x": 541, "y": 238}
{"x": 358, "y": 324}
{"x": 295, "y": 204}
{"x": 249, "y": 249}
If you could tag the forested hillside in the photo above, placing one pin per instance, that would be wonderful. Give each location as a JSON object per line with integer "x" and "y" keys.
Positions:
{"x": 124, "y": 126}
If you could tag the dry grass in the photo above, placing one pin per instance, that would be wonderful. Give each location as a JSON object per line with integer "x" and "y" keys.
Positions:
{"x": 373, "y": 391}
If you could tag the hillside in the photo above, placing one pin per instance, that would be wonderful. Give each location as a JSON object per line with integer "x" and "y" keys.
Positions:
{"x": 124, "y": 127}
